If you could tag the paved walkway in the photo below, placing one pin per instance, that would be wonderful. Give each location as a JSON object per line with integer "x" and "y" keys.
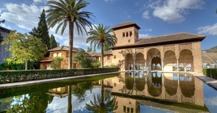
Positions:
{"x": 17, "y": 84}
{"x": 210, "y": 81}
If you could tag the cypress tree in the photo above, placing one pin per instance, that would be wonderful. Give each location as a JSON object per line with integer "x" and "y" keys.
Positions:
{"x": 53, "y": 42}
{"x": 42, "y": 30}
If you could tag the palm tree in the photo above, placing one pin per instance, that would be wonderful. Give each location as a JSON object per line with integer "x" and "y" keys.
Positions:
{"x": 102, "y": 38}
{"x": 68, "y": 12}
{"x": 103, "y": 103}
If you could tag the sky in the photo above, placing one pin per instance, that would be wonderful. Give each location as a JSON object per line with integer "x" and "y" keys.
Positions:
{"x": 155, "y": 17}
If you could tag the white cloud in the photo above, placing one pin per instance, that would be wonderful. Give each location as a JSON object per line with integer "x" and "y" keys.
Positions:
{"x": 209, "y": 29}
{"x": 146, "y": 15}
{"x": 24, "y": 16}
{"x": 144, "y": 35}
{"x": 27, "y": 16}
{"x": 173, "y": 11}
{"x": 6, "y": 26}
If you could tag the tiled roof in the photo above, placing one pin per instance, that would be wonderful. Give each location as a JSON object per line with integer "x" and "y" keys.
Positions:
{"x": 65, "y": 48}
{"x": 125, "y": 24}
{"x": 165, "y": 39}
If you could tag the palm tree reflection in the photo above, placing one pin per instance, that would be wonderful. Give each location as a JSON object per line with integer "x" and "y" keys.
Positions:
{"x": 102, "y": 103}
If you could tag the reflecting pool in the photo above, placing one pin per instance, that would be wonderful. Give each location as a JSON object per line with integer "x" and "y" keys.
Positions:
{"x": 129, "y": 92}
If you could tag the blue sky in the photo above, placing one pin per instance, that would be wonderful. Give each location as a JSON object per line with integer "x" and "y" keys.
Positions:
{"x": 155, "y": 17}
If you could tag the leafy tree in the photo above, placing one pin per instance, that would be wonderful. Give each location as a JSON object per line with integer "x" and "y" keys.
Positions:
{"x": 53, "y": 42}
{"x": 56, "y": 63}
{"x": 24, "y": 48}
{"x": 89, "y": 49}
{"x": 103, "y": 103}
{"x": 102, "y": 38}
{"x": 41, "y": 31}
{"x": 83, "y": 60}
{"x": 71, "y": 13}
{"x": 2, "y": 21}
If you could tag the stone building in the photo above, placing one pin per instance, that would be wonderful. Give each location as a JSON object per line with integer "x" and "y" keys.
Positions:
{"x": 60, "y": 51}
{"x": 4, "y": 53}
{"x": 172, "y": 52}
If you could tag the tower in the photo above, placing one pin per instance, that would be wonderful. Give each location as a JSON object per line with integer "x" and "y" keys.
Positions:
{"x": 126, "y": 33}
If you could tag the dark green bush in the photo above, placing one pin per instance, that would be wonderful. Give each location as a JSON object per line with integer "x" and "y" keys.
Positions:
{"x": 210, "y": 73}
{"x": 18, "y": 76}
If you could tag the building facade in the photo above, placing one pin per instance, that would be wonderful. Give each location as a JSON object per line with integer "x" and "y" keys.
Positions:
{"x": 4, "y": 53}
{"x": 172, "y": 52}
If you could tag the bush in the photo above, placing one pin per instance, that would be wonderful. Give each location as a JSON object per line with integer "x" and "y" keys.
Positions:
{"x": 210, "y": 73}
{"x": 18, "y": 76}
{"x": 56, "y": 63}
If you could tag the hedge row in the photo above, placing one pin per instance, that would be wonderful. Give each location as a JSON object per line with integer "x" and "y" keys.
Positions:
{"x": 18, "y": 76}
{"x": 210, "y": 73}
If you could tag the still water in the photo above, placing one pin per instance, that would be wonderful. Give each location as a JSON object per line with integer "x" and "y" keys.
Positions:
{"x": 131, "y": 92}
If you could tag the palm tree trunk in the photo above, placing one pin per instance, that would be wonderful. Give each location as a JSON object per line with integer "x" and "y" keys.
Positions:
{"x": 69, "y": 99}
{"x": 102, "y": 55}
{"x": 71, "y": 29}
{"x": 26, "y": 65}
{"x": 102, "y": 92}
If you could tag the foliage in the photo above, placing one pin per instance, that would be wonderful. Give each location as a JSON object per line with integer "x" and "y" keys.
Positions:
{"x": 53, "y": 42}
{"x": 2, "y": 21}
{"x": 89, "y": 49}
{"x": 102, "y": 38}
{"x": 1, "y": 38}
{"x": 42, "y": 30}
{"x": 18, "y": 76}
{"x": 96, "y": 63}
{"x": 69, "y": 12}
{"x": 210, "y": 73}
{"x": 83, "y": 60}
{"x": 24, "y": 47}
{"x": 111, "y": 66}
{"x": 56, "y": 63}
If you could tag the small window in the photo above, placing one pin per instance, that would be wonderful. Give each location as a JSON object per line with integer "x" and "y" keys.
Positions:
{"x": 131, "y": 33}
{"x": 114, "y": 57}
{"x": 131, "y": 110}
{"x": 108, "y": 57}
{"x": 128, "y": 41}
{"x": 59, "y": 54}
{"x": 127, "y": 34}
{"x": 54, "y": 55}
{"x": 128, "y": 109}
{"x": 123, "y": 34}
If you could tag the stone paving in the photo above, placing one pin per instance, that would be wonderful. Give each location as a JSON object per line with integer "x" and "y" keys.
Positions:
{"x": 17, "y": 84}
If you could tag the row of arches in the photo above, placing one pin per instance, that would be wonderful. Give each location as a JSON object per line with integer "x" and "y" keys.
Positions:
{"x": 154, "y": 61}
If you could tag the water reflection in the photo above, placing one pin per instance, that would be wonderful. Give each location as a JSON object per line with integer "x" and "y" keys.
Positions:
{"x": 128, "y": 92}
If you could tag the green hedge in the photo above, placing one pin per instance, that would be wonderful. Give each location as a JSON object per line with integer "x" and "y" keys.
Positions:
{"x": 18, "y": 76}
{"x": 210, "y": 73}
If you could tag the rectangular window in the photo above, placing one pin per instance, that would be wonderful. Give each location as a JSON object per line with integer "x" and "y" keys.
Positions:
{"x": 114, "y": 57}
{"x": 131, "y": 110}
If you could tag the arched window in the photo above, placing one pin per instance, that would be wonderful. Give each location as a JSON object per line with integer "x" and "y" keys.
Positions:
{"x": 127, "y": 34}
{"x": 131, "y": 33}
{"x": 123, "y": 34}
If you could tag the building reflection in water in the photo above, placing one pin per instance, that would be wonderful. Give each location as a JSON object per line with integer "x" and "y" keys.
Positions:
{"x": 177, "y": 88}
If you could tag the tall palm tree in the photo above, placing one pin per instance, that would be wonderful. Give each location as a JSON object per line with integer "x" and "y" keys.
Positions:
{"x": 102, "y": 37}
{"x": 71, "y": 13}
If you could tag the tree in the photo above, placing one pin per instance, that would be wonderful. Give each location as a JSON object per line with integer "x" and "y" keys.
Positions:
{"x": 41, "y": 31}
{"x": 89, "y": 49}
{"x": 24, "y": 48}
{"x": 56, "y": 63}
{"x": 2, "y": 21}
{"x": 53, "y": 42}
{"x": 83, "y": 60}
{"x": 102, "y": 38}
{"x": 71, "y": 13}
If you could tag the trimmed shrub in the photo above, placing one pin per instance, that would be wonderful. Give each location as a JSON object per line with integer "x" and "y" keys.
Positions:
{"x": 210, "y": 73}
{"x": 18, "y": 76}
